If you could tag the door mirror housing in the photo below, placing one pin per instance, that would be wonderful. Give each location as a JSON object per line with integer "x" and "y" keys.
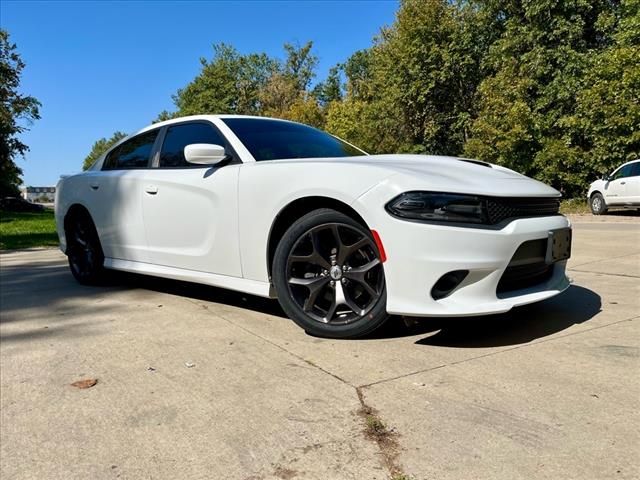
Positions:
{"x": 204, "y": 153}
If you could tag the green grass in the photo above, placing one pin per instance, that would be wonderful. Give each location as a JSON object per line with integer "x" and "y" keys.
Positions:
{"x": 575, "y": 205}
{"x": 27, "y": 230}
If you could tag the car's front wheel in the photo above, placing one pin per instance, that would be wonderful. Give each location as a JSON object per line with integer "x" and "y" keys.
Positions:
{"x": 329, "y": 276}
{"x": 596, "y": 202}
{"x": 84, "y": 251}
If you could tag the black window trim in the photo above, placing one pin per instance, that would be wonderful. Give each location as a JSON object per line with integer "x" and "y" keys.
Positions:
{"x": 153, "y": 147}
{"x": 155, "y": 154}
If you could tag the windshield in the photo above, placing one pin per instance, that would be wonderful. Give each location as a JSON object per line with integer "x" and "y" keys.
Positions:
{"x": 274, "y": 139}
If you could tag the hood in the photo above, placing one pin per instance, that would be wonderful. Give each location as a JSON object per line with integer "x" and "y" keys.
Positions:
{"x": 446, "y": 174}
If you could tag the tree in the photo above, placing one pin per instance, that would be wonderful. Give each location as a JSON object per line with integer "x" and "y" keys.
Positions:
{"x": 300, "y": 65}
{"x": 286, "y": 88}
{"x": 17, "y": 112}
{"x": 415, "y": 88}
{"x": 607, "y": 116}
{"x": 527, "y": 101}
{"x": 228, "y": 83}
{"x": 100, "y": 147}
{"x": 330, "y": 90}
{"x": 164, "y": 115}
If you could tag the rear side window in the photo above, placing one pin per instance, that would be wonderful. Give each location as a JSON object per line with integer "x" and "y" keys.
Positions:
{"x": 635, "y": 169}
{"x": 179, "y": 136}
{"x": 133, "y": 153}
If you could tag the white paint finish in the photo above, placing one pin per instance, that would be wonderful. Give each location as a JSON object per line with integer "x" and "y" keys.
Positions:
{"x": 618, "y": 191}
{"x": 191, "y": 221}
{"x": 260, "y": 289}
{"x": 204, "y": 153}
{"x": 266, "y": 188}
{"x": 113, "y": 198}
{"x": 212, "y": 225}
{"x": 418, "y": 254}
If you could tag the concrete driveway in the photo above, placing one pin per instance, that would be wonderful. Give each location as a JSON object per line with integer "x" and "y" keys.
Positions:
{"x": 201, "y": 383}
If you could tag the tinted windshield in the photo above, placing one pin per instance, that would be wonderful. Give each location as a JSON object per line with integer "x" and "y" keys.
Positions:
{"x": 274, "y": 139}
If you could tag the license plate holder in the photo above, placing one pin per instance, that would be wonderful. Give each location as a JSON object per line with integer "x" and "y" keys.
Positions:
{"x": 558, "y": 245}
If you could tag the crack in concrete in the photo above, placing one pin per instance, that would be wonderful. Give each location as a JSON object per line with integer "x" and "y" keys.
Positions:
{"x": 604, "y": 259}
{"x": 603, "y": 273}
{"x": 490, "y": 354}
{"x": 386, "y": 440}
{"x": 377, "y": 431}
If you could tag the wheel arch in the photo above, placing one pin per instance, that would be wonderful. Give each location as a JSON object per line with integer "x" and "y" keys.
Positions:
{"x": 73, "y": 211}
{"x": 594, "y": 192}
{"x": 295, "y": 210}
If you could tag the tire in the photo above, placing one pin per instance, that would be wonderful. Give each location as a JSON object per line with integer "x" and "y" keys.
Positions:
{"x": 597, "y": 204}
{"x": 84, "y": 252}
{"x": 328, "y": 276}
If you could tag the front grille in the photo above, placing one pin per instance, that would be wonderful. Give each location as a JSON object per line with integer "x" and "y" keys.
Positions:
{"x": 524, "y": 276}
{"x": 500, "y": 209}
{"x": 527, "y": 267}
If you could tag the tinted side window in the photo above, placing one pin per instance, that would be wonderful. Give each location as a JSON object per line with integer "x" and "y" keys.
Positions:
{"x": 623, "y": 172}
{"x": 133, "y": 153}
{"x": 635, "y": 169}
{"x": 274, "y": 139}
{"x": 179, "y": 136}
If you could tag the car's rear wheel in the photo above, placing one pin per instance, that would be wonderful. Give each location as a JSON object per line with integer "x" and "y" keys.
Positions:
{"x": 329, "y": 276}
{"x": 84, "y": 251}
{"x": 596, "y": 202}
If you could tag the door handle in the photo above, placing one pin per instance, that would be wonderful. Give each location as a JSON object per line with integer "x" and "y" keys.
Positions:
{"x": 622, "y": 183}
{"x": 94, "y": 186}
{"x": 151, "y": 189}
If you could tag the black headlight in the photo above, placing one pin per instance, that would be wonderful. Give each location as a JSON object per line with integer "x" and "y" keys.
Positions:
{"x": 439, "y": 207}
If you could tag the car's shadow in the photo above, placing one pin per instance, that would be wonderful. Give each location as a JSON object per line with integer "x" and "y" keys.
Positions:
{"x": 521, "y": 325}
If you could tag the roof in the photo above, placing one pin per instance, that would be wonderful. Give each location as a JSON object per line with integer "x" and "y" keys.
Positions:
{"x": 203, "y": 117}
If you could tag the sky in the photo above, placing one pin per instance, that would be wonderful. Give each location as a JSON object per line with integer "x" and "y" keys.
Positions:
{"x": 98, "y": 67}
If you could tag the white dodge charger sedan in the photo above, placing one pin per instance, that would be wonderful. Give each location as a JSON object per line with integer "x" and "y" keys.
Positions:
{"x": 342, "y": 239}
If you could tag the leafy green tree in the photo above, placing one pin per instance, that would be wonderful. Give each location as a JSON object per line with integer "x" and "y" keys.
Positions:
{"x": 300, "y": 65}
{"x": 607, "y": 117}
{"x": 329, "y": 90}
{"x": 228, "y": 83}
{"x": 415, "y": 88}
{"x": 17, "y": 112}
{"x": 527, "y": 102}
{"x": 287, "y": 85}
{"x": 100, "y": 147}
{"x": 164, "y": 115}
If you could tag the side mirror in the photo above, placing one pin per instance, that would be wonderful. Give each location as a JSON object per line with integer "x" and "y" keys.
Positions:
{"x": 605, "y": 177}
{"x": 204, "y": 153}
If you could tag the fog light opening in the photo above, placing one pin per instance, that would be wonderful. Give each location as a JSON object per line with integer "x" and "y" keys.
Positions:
{"x": 448, "y": 283}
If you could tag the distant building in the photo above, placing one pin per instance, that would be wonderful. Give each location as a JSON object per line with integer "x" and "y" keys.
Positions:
{"x": 39, "y": 194}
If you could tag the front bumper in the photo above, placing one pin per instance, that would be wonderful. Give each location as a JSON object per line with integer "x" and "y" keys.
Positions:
{"x": 418, "y": 254}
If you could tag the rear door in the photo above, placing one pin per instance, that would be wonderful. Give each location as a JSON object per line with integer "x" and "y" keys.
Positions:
{"x": 633, "y": 184}
{"x": 115, "y": 198}
{"x": 190, "y": 211}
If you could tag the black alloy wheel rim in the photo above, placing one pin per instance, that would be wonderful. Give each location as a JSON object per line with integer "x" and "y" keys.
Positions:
{"x": 334, "y": 274}
{"x": 82, "y": 253}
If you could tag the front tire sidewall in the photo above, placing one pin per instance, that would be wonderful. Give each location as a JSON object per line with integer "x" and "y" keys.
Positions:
{"x": 598, "y": 207}
{"x": 376, "y": 316}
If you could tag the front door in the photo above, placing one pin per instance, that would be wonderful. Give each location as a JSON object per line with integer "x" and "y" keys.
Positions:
{"x": 190, "y": 211}
{"x": 615, "y": 190}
